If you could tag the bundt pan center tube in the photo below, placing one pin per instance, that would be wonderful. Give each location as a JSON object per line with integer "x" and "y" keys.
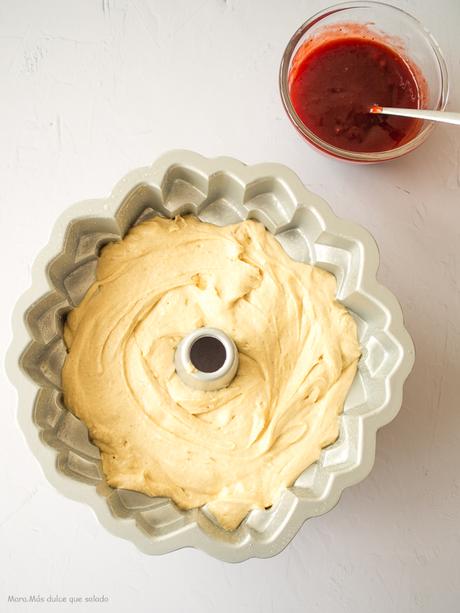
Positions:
{"x": 206, "y": 359}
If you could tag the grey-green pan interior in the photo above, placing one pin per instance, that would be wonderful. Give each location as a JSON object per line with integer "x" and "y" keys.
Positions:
{"x": 220, "y": 191}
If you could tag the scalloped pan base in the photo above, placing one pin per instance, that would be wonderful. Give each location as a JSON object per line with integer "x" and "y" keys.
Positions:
{"x": 220, "y": 191}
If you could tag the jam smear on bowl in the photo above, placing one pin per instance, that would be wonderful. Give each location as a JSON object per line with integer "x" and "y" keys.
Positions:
{"x": 332, "y": 86}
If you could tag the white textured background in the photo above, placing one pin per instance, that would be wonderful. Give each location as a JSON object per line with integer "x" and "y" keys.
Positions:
{"x": 91, "y": 89}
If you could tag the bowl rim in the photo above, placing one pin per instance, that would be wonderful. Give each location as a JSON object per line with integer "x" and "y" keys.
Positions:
{"x": 193, "y": 535}
{"x": 324, "y": 146}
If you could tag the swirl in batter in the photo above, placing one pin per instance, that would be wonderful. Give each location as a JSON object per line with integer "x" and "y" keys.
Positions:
{"x": 237, "y": 448}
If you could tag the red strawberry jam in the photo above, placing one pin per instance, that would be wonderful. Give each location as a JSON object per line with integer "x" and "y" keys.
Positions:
{"x": 333, "y": 85}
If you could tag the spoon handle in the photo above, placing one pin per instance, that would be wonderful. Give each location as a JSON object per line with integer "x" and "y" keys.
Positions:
{"x": 441, "y": 116}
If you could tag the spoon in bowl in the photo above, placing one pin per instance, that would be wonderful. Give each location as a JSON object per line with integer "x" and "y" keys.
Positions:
{"x": 440, "y": 116}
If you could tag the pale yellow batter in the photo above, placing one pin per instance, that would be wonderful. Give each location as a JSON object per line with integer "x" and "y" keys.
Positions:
{"x": 237, "y": 448}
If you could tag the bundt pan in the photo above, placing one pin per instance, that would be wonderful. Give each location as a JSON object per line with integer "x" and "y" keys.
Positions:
{"x": 220, "y": 191}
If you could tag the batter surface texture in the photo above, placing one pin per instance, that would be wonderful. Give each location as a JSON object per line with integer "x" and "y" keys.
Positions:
{"x": 237, "y": 448}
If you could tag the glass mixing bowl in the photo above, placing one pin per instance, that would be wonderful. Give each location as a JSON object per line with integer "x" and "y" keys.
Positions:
{"x": 395, "y": 28}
